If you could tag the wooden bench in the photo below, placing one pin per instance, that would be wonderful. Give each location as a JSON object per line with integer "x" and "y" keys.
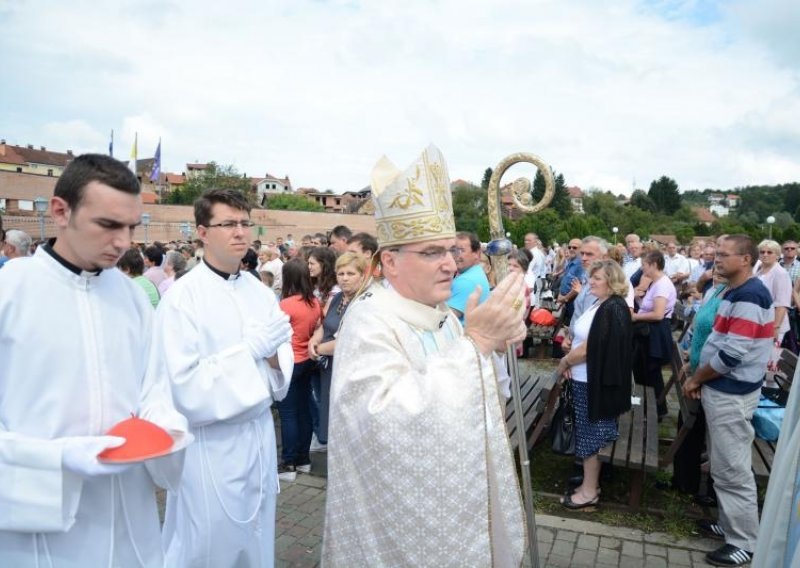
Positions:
{"x": 636, "y": 449}
{"x": 689, "y": 407}
{"x": 537, "y": 395}
{"x": 763, "y": 452}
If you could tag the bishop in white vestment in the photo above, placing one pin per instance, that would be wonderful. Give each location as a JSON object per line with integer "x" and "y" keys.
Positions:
{"x": 420, "y": 471}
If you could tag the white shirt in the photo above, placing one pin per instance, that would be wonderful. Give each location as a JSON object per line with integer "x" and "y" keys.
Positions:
{"x": 676, "y": 264}
{"x": 581, "y": 331}
{"x": 630, "y": 267}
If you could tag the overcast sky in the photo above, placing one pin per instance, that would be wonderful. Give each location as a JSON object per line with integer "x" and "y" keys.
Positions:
{"x": 608, "y": 92}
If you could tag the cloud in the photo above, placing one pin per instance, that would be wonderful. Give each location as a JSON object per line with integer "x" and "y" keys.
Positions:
{"x": 605, "y": 92}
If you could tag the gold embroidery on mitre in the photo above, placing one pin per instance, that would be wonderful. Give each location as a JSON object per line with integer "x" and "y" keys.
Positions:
{"x": 415, "y": 205}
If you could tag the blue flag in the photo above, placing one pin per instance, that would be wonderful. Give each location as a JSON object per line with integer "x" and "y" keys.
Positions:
{"x": 157, "y": 163}
{"x": 111, "y": 144}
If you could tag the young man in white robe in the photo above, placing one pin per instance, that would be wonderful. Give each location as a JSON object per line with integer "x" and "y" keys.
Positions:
{"x": 420, "y": 472}
{"x": 218, "y": 336}
{"x": 74, "y": 342}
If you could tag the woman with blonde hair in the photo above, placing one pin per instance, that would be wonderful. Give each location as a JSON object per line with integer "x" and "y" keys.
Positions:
{"x": 778, "y": 282}
{"x": 599, "y": 366}
{"x": 350, "y": 271}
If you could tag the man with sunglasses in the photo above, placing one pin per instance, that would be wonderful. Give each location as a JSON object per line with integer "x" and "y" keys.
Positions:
{"x": 573, "y": 273}
{"x": 223, "y": 342}
{"x": 789, "y": 260}
{"x": 419, "y": 468}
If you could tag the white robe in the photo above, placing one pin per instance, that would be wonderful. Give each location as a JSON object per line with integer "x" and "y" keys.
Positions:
{"x": 420, "y": 471}
{"x": 778, "y": 544}
{"x": 223, "y": 513}
{"x": 73, "y": 352}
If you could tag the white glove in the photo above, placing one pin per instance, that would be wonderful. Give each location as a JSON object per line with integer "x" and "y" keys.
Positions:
{"x": 79, "y": 455}
{"x": 263, "y": 339}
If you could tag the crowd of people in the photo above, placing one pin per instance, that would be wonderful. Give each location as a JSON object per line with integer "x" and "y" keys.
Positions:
{"x": 376, "y": 350}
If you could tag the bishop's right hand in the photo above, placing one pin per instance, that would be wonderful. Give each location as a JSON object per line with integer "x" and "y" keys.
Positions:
{"x": 79, "y": 455}
{"x": 263, "y": 339}
{"x": 497, "y": 322}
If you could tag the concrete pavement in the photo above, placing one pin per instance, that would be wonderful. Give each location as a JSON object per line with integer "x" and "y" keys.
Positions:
{"x": 562, "y": 542}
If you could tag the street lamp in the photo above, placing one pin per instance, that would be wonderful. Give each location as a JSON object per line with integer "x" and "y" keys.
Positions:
{"x": 770, "y": 222}
{"x": 615, "y": 230}
{"x": 40, "y": 205}
{"x": 145, "y": 224}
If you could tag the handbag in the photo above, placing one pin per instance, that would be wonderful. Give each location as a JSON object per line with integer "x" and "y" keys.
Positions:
{"x": 563, "y": 425}
{"x": 767, "y": 420}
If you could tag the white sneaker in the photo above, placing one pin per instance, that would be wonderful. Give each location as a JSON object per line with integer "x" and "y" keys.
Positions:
{"x": 287, "y": 472}
{"x": 303, "y": 468}
{"x": 316, "y": 446}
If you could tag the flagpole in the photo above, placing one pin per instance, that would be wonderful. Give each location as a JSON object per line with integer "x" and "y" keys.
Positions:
{"x": 498, "y": 249}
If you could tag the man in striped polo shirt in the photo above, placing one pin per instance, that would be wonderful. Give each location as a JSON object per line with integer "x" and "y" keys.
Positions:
{"x": 728, "y": 382}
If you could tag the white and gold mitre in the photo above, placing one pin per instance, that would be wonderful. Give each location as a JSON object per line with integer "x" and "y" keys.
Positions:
{"x": 415, "y": 205}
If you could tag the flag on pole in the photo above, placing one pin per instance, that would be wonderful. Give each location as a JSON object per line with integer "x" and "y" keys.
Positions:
{"x": 111, "y": 144}
{"x": 134, "y": 152}
{"x": 156, "y": 163}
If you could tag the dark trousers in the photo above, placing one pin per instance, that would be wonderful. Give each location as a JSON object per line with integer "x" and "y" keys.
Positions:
{"x": 655, "y": 379}
{"x": 295, "y": 416}
{"x": 686, "y": 463}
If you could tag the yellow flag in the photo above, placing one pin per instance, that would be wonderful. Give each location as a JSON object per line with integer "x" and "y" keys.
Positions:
{"x": 134, "y": 151}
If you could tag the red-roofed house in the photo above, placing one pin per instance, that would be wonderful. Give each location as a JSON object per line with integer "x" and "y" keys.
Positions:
{"x": 30, "y": 160}
{"x": 576, "y": 197}
{"x": 271, "y": 185}
{"x": 704, "y": 215}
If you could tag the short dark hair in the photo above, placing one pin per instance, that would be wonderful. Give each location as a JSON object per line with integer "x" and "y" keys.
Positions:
{"x": 87, "y": 168}
{"x": 744, "y": 246}
{"x": 654, "y": 257}
{"x": 474, "y": 241}
{"x": 154, "y": 255}
{"x": 341, "y": 232}
{"x": 229, "y": 197}
{"x": 366, "y": 241}
{"x": 131, "y": 262}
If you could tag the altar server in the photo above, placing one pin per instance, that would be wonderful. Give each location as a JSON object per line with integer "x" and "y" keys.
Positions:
{"x": 74, "y": 342}
{"x": 218, "y": 336}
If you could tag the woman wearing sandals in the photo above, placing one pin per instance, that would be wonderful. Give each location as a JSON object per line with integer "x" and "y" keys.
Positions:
{"x": 599, "y": 365}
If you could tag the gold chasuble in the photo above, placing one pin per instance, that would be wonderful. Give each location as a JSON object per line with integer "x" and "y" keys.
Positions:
{"x": 420, "y": 468}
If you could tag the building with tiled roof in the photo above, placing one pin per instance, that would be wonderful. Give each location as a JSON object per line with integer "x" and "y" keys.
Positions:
{"x": 271, "y": 185}
{"x": 576, "y": 197}
{"x": 31, "y": 160}
{"x": 704, "y": 215}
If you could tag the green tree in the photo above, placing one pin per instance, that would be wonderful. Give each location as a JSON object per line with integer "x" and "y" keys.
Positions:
{"x": 469, "y": 207}
{"x": 292, "y": 202}
{"x": 487, "y": 175}
{"x": 664, "y": 193}
{"x": 561, "y": 201}
{"x": 213, "y": 177}
{"x": 641, "y": 200}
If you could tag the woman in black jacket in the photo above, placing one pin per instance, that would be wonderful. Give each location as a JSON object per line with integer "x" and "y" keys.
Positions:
{"x": 599, "y": 365}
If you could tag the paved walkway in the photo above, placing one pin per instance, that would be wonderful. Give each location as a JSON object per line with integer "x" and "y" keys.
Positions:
{"x": 562, "y": 542}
